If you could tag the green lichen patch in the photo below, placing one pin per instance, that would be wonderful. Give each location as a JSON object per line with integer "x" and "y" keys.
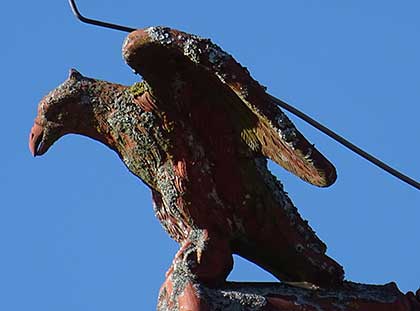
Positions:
{"x": 138, "y": 88}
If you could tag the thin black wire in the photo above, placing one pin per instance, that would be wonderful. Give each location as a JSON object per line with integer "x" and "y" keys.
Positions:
{"x": 346, "y": 143}
{"x": 284, "y": 105}
{"x": 96, "y": 22}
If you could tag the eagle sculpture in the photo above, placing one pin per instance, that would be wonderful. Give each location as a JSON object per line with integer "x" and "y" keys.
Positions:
{"x": 198, "y": 131}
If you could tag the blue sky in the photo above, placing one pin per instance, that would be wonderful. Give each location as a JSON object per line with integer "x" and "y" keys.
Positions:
{"x": 77, "y": 230}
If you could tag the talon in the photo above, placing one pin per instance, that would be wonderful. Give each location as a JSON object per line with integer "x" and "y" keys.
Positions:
{"x": 305, "y": 285}
{"x": 199, "y": 252}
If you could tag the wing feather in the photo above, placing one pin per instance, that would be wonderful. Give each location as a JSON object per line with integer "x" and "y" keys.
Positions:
{"x": 163, "y": 55}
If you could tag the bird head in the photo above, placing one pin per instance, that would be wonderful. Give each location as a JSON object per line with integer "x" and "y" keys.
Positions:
{"x": 64, "y": 110}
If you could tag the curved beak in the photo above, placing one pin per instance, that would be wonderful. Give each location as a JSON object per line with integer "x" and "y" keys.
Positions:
{"x": 36, "y": 139}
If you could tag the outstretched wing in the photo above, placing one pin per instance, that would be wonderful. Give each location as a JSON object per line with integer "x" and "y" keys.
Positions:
{"x": 168, "y": 57}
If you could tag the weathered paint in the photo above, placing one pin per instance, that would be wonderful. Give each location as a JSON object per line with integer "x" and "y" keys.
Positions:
{"x": 198, "y": 133}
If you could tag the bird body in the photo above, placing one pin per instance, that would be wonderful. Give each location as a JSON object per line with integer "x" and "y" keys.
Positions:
{"x": 198, "y": 132}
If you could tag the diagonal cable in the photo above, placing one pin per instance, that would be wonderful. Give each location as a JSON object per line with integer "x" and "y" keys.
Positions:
{"x": 346, "y": 143}
{"x": 284, "y": 105}
{"x": 96, "y": 22}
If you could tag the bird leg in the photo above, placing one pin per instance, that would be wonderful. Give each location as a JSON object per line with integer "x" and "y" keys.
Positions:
{"x": 202, "y": 259}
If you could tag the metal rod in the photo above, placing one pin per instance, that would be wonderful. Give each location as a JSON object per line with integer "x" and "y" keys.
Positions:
{"x": 96, "y": 22}
{"x": 284, "y": 105}
{"x": 346, "y": 143}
